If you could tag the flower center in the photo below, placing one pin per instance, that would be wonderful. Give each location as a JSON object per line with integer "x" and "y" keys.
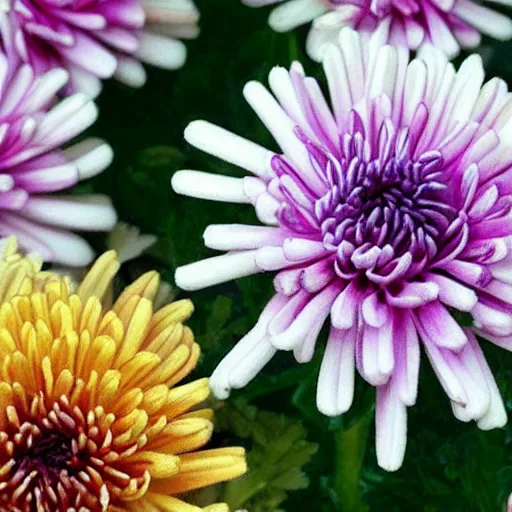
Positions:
{"x": 385, "y": 212}
{"x": 390, "y": 200}
{"x": 45, "y": 453}
{"x": 382, "y": 204}
{"x": 48, "y": 464}
{"x": 54, "y": 462}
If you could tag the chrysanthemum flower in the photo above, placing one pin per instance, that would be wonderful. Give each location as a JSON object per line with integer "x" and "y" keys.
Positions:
{"x": 98, "y": 39}
{"x": 91, "y": 418}
{"x": 382, "y": 217}
{"x": 33, "y": 165}
{"x": 447, "y": 25}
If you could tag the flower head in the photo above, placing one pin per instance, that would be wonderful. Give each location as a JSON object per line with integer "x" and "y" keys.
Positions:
{"x": 447, "y": 25}
{"x": 92, "y": 418}
{"x": 380, "y": 217}
{"x": 96, "y": 39}
{"x": 33, "y": 164}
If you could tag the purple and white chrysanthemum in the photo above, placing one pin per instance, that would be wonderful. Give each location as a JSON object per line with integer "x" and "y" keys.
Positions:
{"x": 33, "y": 165}
{"x": 448, "y": 25}
{"x": 97, "y": 39}
{"x": 382, "y": 215}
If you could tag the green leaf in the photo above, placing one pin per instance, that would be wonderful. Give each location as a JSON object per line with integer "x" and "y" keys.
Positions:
{"x": 278, "y": 452}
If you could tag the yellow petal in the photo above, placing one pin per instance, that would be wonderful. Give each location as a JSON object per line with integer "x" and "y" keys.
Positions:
{"x": 63, "y": 384}
{"x": 191, "y": 363}
{"x": 156, "y": 502}
{"x": 206, "y": 414}
{"x": 173, "y": 313}
{"x": 135, "y": 316}
{"x": 155, "y": 398}
{"x": 216, "y": 507}
{"x": 139, "y": 369}
{"x": 183, "y": 398}
{"x": 108, "y": 387}
{"x": 183, "y": 435}
{"x": 100, "y": 276}
{"x": 166, "y": 340}
{"x": 112, "y": 327}
{"x": 168, "y": 367}
{"x": 91, "y": 316}
{"x": 202, "y": 469}
{"x": 146, "y": 286}
{"x": 161, "y": 465}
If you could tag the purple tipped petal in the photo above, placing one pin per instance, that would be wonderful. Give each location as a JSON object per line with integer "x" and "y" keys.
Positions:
{"x": 345, "y": 308}
{"x": 440, "y": 327}
{"x": 93, "y": 39}
{"x": 32, "y": 165}
{"x": 448, "y": 25}
{"x": 315, "y": 311}
{"x": 375, "y": 310}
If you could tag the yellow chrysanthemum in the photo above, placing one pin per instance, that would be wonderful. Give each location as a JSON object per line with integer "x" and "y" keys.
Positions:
{"x": 90, "y": 419}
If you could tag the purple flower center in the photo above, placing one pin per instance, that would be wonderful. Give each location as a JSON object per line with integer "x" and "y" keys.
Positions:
{"x": 46, "y": 458}
{"x": 385, "y": 201}
{"x": 386, "y": 213}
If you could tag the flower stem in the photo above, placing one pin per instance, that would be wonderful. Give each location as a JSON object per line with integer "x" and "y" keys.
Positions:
{"x": 350, "y": 448}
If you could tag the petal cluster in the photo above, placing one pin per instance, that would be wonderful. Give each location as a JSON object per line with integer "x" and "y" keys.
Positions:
{"x": 96, "y": 39}
{"x": 449, "y": 26}
{"x": 381, "y": 216}
{"x": 33, "y": 165}
{"x": 92, "y": 418}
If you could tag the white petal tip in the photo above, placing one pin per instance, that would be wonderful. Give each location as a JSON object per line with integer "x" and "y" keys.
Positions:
{"x": 162, "y": 51}
{"x": 391, "y": 465}
{"x": 193, "y": 129}
{"x": 497, "y": 420}
{"x": 327, "y": 408}
{"x": 253, "y": 87}
{"x": 219, "y": 389}
{"x": 179, "y": 182}
{"x": 183, "y": 279}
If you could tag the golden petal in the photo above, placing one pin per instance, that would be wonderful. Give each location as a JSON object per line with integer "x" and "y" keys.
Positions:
{"x": 145, "y": 286}
{"x": 100, "y": 276}
{"x": 183, "y": 435}
{"x": 173, "y": 313}
{"x": 191, "y": 363}
{"x": 183, "y": 398}
{"x": 135, "y": 316}
{"x": 201, "y": 469}
{"x": 161, "y": 465}
{"x": 156, "y": 502}
{"x": 155, "y": 398}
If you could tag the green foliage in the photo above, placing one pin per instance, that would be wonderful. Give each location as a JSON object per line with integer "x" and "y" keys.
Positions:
{"x": 278, "y": 452}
